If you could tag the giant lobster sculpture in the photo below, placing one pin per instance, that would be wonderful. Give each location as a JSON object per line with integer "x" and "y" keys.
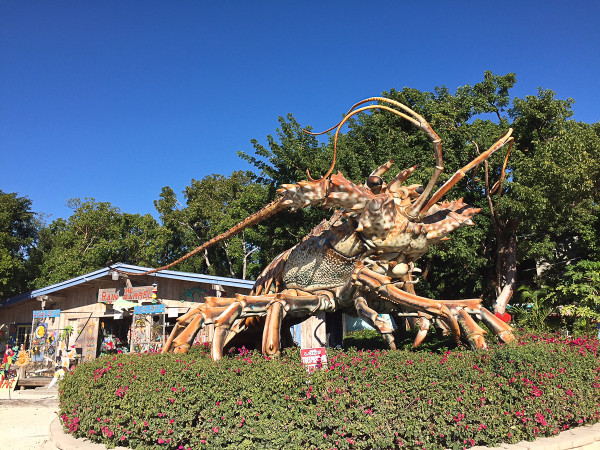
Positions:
{"x": 359, "y": 261}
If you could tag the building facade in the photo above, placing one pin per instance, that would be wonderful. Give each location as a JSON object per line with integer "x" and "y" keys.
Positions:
{"x": 106, "y": 312}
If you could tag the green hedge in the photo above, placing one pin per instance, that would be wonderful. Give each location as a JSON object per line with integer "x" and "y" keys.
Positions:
{"x": 365, "y": 399}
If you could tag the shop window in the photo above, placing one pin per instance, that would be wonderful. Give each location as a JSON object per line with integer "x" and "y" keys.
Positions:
{"x": 23, "y": 335}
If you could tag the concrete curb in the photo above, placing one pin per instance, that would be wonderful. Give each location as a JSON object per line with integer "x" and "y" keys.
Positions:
{"x": 64, "y": 441}
{"x": 580, "y": 438}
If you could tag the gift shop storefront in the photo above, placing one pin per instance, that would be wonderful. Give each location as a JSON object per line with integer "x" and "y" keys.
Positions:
{"x": 103, "y": 312}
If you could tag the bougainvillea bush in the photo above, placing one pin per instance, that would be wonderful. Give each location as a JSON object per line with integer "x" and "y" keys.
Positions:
{"x": 364, "y": 399}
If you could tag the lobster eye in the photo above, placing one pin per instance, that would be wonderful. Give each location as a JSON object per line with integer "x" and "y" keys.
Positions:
{"x": 374, "y": 181}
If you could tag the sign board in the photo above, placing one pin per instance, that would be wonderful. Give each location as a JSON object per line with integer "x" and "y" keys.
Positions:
{"x": 87, "y": 337}
{"x": 130, "y": 294}
{"x": 149, "y": 309}
{"x": 40, "y": 314}
{"x": 314, "y": 358}
{"x": 8, "y": 384}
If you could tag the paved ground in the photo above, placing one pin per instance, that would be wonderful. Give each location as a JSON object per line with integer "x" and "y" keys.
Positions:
{"x": 25, "y": 418}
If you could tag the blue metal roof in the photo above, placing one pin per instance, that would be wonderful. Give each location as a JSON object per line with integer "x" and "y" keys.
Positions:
{"x": 172, "y": 274}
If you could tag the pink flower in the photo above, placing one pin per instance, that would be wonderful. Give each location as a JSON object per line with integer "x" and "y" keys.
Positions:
{"x": 215, "y": 429}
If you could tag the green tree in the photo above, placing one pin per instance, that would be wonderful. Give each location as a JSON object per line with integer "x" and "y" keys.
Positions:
{"x": 289, "y": 155}
{"x": 212, "y": 206}
{"x": 18, "y": 236}
{"x": 555, "y": 187}
{"x": 535, "y": 306}
{"x": 579, "y": 290}
{"x": 93, "y": 235}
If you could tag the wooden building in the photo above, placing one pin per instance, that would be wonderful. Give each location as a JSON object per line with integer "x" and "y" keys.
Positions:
{"x": 106, "y": 311}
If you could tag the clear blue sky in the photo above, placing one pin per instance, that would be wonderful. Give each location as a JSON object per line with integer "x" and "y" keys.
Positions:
{"x": 116, "y": 99}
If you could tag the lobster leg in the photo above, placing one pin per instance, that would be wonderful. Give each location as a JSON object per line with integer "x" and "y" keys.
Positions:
{"x": 473, "y": 332}
{"x": 294, "y": 302}
{"x": 497, "y": 326}
{"x": 383, "y": 286}
{"x": 271, "y": 344}
{"x": 372, "y": 318}
{"x": 424, "y": 325}
{"x": 453, "y": 314}
{"x": 221, "y": 312}
{"x": 274, "y": 305}
{"x": 187, "y": 327}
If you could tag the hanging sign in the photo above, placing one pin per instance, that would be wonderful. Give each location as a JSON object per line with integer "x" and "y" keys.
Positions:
{"x": 149, "y": 309}
{"x": 40, "y": 314}
{"x": 313, "y": 358}
{"x": 140, "y": 293}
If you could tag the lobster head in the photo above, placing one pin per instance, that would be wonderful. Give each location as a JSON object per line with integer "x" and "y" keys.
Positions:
{"x": 387, "y": 212}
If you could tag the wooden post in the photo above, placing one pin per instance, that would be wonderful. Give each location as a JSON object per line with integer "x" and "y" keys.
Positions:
{"x": 313, "y": 332}
{"x": 21, "y": 373}
{"x": 334, "y": 328}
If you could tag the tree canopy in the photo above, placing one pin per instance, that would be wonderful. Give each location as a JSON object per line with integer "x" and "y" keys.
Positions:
{"x": 18, "y": 236}
{"x": 93, "y": 235}
{"x": 212, "y": 206}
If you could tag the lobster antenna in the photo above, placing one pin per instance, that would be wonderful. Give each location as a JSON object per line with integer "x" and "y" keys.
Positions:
{"x": 260, "y": 215}
{"x": 353, "y": 111}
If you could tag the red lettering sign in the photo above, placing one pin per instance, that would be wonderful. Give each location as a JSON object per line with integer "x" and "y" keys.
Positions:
{"x": 314, "y": 358}
{"x": 129, "y": 294}
{"x": 138, "y": 293}
{"x": 8, "y": 385}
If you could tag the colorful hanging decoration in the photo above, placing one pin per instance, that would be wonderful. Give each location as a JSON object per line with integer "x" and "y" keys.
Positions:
{"x": 41, "y": 330}
{"x": 67, "y": 355}
{"x": 8, "y": 358}
{"x": 154, "y": 292}
{"x": 22, "y": 357}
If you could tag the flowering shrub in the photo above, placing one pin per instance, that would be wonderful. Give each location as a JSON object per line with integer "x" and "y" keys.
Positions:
{"x": 365, "y": 398}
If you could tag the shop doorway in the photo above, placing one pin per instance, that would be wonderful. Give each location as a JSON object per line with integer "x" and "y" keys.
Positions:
{"x": 114, "y": 335}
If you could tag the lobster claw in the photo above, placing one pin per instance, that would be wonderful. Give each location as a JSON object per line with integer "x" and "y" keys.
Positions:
{"x": 424, "y": 324}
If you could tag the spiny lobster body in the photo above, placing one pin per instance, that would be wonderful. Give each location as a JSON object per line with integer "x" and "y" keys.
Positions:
{"x": 360, "y": 261}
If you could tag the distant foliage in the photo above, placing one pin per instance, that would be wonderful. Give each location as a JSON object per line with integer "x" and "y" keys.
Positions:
{"x": 93, "y": 235}
{"x": 579, "y": 290}
{"x": 19, "y": 227}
